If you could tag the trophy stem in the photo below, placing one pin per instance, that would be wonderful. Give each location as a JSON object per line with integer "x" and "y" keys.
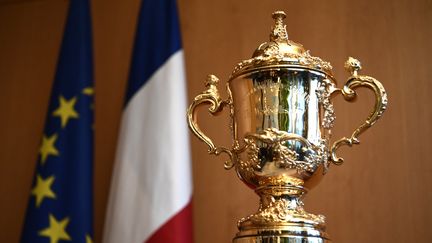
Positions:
{"x": 281, "y": 218}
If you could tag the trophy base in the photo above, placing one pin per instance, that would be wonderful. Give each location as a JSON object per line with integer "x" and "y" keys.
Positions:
{"x": 287, "y": 234}
{"x": 281, "y": 218}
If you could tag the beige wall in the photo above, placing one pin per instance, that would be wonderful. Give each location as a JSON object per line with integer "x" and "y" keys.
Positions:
{"x": 381, "y": 194}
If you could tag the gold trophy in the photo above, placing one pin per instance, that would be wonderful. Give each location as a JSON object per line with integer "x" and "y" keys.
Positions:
{"x": 281, "y": 119}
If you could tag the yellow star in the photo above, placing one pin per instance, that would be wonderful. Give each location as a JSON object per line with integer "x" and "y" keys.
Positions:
{"x": 88, "y": 239}
{"x": 56, "y": 230}
{"x": 48, "y": 147}
{"x": 66, "y": 110}
{"x": 42, "y": 189}
{"x": 88, "y": 91}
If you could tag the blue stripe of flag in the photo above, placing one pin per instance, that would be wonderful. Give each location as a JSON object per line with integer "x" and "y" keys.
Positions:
{"x": 157, "y": 38}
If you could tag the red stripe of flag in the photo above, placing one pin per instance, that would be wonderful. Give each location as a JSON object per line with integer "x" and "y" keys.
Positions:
{"x": 177, "y": 230}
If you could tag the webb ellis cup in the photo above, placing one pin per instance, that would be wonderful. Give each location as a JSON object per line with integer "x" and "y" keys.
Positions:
{"x": 281, "y": 116}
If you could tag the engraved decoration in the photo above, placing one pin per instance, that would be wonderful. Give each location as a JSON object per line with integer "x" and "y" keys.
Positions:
{"x": 282, "y": 210}
{"x": 275, "y": 144}
{"x": 323, "y": 95}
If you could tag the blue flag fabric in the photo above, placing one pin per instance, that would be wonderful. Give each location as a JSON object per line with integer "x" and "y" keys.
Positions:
{"x": 157, "y": 39}
{"x": 60, "y": 208}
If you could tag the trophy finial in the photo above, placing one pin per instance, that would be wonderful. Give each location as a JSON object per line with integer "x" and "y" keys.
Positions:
{"x": 352, "y": 65}
{"x": 211, "y": 80}
{"x": 279, "y": 32}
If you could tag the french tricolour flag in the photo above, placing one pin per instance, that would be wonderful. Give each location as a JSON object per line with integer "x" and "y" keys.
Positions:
{"x": 151, "y": 188}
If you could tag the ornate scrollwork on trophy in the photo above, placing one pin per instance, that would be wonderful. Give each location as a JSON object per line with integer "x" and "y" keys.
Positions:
{"x": 353, "y": 66}
{"x": 280, "y": 211}
{"x": 211, "y": 97}
{"x": 273, "y": 145}
{"x": 323, "y": 95}
{"x": 271, "y": 55}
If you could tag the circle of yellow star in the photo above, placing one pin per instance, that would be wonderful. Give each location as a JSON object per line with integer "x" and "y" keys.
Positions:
{"x": 66, "y": 110}
{"x": 48, "y": 147}
{"x": 56, "y": 230}
{"x": 88, "y": 239}
{"x": 88, "y": 91}
{"x": 42, "y": 189}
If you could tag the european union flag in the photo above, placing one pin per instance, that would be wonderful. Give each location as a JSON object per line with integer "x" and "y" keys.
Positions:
{"x": 61, "y": 198}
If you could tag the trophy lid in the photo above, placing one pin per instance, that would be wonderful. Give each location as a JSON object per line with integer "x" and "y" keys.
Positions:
{"x": 281, "y": 52}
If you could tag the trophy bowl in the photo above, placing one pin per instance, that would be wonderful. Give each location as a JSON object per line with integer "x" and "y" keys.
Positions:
{"x": 281, "y": 116}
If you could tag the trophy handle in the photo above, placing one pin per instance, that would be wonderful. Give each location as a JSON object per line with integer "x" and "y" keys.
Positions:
{"x": 210, "y": 96}
{"x": 349, "y": 94}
